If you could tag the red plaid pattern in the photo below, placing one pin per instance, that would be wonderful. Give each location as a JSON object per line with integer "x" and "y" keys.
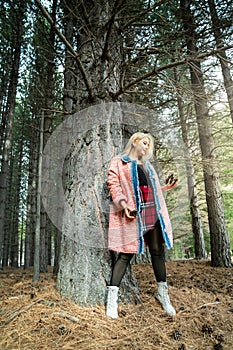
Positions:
{"x": 148, "y": 209}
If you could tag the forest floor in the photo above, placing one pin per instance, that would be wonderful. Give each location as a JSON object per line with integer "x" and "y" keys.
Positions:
{"x": 34, "y": 316}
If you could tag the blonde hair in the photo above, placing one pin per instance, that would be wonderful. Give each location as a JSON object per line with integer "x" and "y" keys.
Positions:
{"x": 137, "y": 137}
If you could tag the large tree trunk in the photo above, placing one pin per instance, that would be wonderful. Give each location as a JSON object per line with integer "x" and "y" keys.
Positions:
{"x": 226, "y": 70}
{"x": 86, "y": 263}
{"x": 83, "y": 146}
{"x": 220, "y": 247}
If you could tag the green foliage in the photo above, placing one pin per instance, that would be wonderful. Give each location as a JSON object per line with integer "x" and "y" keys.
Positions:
{"x": 223, "y": 134}
{"x": 228, "y": 205}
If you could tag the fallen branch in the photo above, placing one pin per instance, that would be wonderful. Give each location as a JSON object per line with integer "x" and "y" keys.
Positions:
{"x": 198, "y": 308}
{"x": 68, "y": 316}
{"x": 16, "y": 314}
{"x": 207, "y": 304}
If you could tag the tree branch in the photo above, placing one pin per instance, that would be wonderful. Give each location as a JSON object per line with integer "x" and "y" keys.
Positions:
{"x": 16, "y": 314}
{"x": 111, "y": 21}
{"x": 69, "y": 48}
{"x": 153, "y": 72}
{"x": 144, "y": 13}
{"x": 157, "y": 70}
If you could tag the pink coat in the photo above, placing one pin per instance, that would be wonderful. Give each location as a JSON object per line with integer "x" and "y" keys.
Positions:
{"x": 125, "y": 235}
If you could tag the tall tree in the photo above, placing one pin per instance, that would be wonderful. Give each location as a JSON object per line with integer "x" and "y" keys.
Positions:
{"x": 199, "y": 244}
{"x": 18, "y": 15}
{"x": 16, "y": 192}
{"x": 96, "y": 75}
{"x": 48, "y": 83}
{"x": 6, "y": 54}
{"x": 31, "y": 195}
{"x": 38, "y": 207}
{"x": 220, "y": 248}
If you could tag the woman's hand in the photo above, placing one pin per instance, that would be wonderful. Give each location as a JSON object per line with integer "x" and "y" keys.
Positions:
{"x": 129, "y": 212}
{"x": 171, "y": 183}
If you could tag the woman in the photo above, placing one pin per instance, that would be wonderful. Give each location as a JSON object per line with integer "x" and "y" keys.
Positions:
{"x": 138, "y": 217}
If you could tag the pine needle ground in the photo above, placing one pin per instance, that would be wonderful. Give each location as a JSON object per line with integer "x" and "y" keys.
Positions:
{"x": 34, "y": 316}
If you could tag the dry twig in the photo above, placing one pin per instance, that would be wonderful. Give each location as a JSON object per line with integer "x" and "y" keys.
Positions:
{"x": 16, "y": 314}
{"x": 68, "y": 316}
{"x": 207, "y": 304}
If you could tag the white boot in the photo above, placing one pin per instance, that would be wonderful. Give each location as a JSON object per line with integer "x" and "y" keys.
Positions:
{"x": 111, "y": 306}
{"x": 164, "y": 299}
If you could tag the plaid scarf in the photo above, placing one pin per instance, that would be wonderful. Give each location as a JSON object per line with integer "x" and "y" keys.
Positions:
{"x": 148, "y": 210}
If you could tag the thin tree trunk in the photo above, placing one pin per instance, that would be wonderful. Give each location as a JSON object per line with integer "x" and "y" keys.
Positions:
{"x": 57, "y": 250}
{"x": 45, "y": 233}
{"x": 220, "y": 247}
{"x": 31, "y": 201}
{"x": 226, "y": 70}
{"x": 8, "y": 222}
{"x": 70, "y": 65}
{"x": 50, "y": 234}
{"x": 16, "y": 209}
{"x": 3, "y": 93}
{"x": 43, "y": 241}
{"x": 21, "y": 249}
{"x": 10, "y": 116}
{"x": 198, "y": 236}
{"x": 199, "y": 243}
{"x": 36, "y": 273}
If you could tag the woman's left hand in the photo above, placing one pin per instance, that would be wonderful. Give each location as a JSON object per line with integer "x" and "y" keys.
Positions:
{"x": 171, "y": 183}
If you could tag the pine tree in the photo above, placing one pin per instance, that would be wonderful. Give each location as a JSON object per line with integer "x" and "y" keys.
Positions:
{"x": 220, "y": 248}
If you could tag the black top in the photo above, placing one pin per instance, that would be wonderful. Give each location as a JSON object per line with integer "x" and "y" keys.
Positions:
{"x": 142, "y": 176}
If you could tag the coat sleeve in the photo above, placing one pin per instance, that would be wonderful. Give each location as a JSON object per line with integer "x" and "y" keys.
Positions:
{"x": 114, "y": 183}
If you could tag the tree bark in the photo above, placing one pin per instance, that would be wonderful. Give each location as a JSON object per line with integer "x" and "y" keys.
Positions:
{"x": 220, "y": 247}
{"x": 86, "y": 263}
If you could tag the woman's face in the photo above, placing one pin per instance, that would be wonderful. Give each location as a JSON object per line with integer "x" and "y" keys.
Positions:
{"x": 141, "y": 147}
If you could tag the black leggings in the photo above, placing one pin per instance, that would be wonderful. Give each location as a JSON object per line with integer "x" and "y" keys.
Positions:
{"x": 156, "y": 249}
